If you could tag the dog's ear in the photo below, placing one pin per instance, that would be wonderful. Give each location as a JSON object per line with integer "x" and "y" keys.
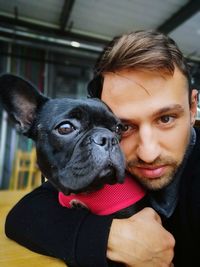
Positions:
{"x": 21, "y": 100}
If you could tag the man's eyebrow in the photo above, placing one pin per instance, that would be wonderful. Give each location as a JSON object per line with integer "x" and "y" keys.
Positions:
{"x": 176, "y": 108}
{"x": 172, "y": 108}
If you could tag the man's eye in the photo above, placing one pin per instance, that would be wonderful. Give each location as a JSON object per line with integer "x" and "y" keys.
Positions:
{"x": 65, "y": 128}
{"x": 126, "y": 129}
{"x": 121, "y": 128}
{"x": 166, "y": 119}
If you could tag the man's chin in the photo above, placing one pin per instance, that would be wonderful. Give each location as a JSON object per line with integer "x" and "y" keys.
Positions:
{"x": 157, "y": 183}
{"x": 154, "y": 183}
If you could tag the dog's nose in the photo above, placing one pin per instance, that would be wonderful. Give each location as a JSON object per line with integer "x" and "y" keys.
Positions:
{"x": 106, "y": 139}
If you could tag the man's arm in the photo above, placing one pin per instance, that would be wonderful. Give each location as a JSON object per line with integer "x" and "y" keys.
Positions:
{"x": 41, "y": 224}
{"x": 80, "y": 238}
{"x": 141, "y": 241}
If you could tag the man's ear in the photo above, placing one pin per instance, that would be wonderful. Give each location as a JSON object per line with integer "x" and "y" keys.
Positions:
{"x": 21, "y": 100}
{"x": 194, "y": 104}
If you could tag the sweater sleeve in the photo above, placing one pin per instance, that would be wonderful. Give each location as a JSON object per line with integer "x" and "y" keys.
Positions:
{"x": 75, "y": 236}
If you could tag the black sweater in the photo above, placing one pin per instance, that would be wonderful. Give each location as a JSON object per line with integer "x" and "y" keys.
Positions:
{"x": 79, "y": 238}
{"x": 184, "y": 224}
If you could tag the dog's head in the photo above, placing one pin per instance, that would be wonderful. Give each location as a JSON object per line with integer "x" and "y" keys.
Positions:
{"x": 77, "y": 140}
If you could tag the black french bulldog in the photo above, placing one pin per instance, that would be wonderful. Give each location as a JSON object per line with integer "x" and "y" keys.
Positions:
{"x": 77, "y": 140}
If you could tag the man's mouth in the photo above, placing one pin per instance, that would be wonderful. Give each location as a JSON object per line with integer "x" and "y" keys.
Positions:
{"x": 151, "y": 172}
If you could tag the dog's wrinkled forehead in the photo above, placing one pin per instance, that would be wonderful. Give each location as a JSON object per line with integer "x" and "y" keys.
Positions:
{"x": 91, "y": 111}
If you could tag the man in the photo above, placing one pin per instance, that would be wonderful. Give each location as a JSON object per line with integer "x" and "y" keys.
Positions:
{"x": 144, "y": 79}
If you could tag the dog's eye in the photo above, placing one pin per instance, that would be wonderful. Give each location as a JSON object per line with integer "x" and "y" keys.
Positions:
{"x": 65, "y": 128}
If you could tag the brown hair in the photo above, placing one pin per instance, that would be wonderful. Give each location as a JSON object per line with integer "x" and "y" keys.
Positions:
{"x": 147, "y": 50}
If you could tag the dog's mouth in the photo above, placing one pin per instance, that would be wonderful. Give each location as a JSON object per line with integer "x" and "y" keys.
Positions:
{"x": 108, "y": 175}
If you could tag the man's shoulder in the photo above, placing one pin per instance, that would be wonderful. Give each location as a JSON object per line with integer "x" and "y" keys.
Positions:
{"x": 196, "y": 149}
{"x": 197, "y": 130}
{"x": 193, "y": 163}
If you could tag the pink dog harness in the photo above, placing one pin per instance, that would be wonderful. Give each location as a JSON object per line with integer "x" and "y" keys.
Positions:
{"x": 107, "y": 200}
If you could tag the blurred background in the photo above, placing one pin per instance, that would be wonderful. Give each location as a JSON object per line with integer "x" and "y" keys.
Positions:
{"x": 55, "y": 43}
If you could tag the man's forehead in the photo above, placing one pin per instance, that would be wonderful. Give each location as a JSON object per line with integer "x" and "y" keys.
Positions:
{"x": 115, "y": 83}
{"x": 158, "y": 95}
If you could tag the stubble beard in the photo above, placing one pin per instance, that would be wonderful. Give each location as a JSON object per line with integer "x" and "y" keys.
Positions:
{"x": 158, "y": 182}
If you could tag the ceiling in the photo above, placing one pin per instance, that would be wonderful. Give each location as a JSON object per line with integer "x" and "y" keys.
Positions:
{"x": 89, "y": 24}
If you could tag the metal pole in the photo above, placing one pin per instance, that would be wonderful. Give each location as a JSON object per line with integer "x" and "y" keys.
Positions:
{"x": 4, "y": 124}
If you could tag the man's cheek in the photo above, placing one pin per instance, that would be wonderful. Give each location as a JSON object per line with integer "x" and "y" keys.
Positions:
{"x": 127, "y": 150}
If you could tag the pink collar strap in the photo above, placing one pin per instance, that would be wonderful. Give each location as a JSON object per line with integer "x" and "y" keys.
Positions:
{"x": 107, "y": 200}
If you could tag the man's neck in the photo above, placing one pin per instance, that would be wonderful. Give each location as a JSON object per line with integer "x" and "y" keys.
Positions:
{"x": 165, "y": 200}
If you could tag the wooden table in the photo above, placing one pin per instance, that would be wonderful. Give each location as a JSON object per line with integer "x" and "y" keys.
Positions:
{"x": 11, "y": 253}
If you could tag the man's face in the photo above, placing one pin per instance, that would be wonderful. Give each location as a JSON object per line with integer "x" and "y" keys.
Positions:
{"x": 155, "y": 109}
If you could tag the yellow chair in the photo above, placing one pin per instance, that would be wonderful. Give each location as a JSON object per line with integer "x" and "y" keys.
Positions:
{"x": 26, "y": 174}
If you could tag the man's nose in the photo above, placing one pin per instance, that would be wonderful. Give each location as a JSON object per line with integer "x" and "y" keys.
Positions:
{"x": 148, "y": 148}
